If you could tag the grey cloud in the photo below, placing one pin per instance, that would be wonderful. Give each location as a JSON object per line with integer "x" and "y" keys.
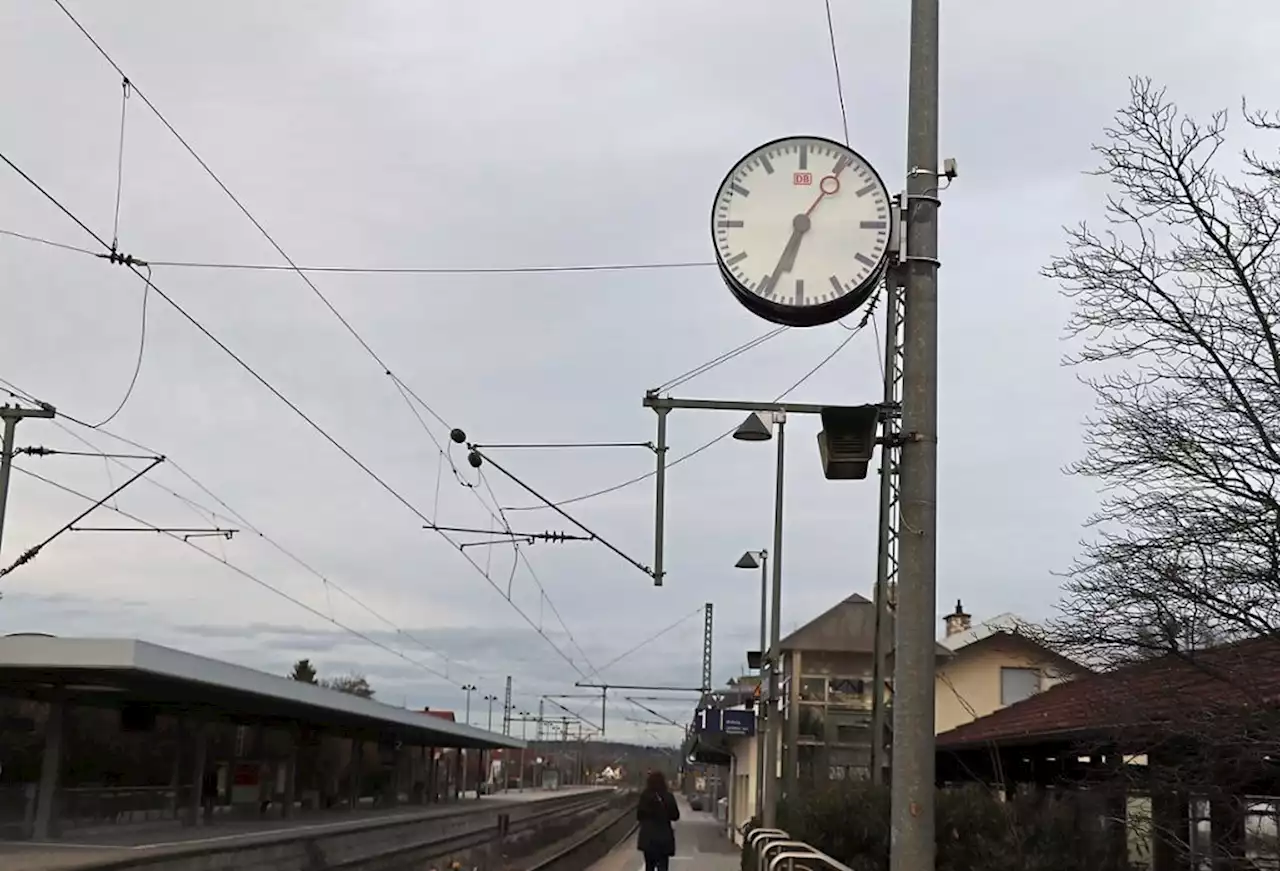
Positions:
{"x": 458, "y": 135}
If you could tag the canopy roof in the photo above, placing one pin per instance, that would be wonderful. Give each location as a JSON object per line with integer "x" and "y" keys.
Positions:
{"x": 111, "y": 672}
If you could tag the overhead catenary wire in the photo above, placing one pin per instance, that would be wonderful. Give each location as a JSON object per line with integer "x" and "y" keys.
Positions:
{"x": 51, "y": 243}
{"x": 231, "y": 515}
{"x": 397, "y": 381}
{"x": 333, "y": 310}
{"x": 444, "y": 270}
{"x": 835, "y": 62}
{"x": 31, "y": 552}
{"x": 346, "y": 324}
{"x": 703, "y": 447}
{"x": 566, "y": 515}
{"x": 533, "y": 269}
{"x": 410, "y": 397}
{"x": 124, "y": 108}
{"x": 142, "y": 350}
{"x": 382, "y": 482}
{"x": 721, "y": 359}
{"x": 234, "y": 515}
{"x": 652, "y": 638}
{"x": 240, "y": 571}
{"x": 560, "y": 446}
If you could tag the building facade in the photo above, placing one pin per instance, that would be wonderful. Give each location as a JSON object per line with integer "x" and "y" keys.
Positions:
{"x": 828, "y": 691}
{"x": 992, "y": 665}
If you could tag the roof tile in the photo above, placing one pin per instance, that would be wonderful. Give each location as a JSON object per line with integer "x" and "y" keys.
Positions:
{"x": 1168, "y": 690}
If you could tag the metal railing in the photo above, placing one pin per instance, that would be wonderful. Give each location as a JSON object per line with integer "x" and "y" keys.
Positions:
{"x": 775, "y": 850}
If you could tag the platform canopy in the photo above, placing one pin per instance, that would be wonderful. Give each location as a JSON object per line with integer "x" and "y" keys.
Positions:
{"x": 120, "y": 673}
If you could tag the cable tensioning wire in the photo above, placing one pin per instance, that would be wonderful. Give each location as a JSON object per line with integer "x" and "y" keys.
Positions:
{"x": 291, "y": 405}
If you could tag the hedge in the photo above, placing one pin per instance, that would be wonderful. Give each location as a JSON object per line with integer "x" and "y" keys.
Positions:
{"x": 976, "y": 831}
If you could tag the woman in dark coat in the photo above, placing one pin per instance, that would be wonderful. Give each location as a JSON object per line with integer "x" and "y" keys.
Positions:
{"x": 655, "y": 812}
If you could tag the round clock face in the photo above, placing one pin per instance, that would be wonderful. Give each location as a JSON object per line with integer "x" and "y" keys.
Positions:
{"x": 801, "y": 230}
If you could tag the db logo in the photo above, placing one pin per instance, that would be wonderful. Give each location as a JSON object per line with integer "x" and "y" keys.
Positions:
{"x": 801, "y": 179}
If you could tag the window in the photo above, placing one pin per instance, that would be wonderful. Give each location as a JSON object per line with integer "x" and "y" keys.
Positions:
{"x": 812, "y": 722}
{"x": 813, "y": 689}
{"x": 848, "y": 692}
{"x": 1017, "y": 684}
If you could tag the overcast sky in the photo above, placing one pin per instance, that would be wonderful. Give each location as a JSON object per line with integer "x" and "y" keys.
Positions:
{"x": 511, "y": 134}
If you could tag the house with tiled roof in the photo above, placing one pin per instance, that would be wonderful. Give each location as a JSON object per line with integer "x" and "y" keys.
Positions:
{"x": 1180, "y": 748}
{"x": 992, "y": 665}
{"x": 827, "y": 668}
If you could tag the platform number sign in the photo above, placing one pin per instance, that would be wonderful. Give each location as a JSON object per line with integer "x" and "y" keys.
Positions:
{"x": 717, "y": 721}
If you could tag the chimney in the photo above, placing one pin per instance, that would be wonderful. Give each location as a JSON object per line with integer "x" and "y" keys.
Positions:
{"x": 959, "y": 621}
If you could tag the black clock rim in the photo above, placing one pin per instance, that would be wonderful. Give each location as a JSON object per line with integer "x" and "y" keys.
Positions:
{"x": 803, "y": 315}
{"x": 809, "y": 315}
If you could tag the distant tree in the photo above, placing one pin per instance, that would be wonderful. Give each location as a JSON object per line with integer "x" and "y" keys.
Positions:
{"x": 351, "y": 684}
{"x": 303, "y": 672}
{"x": 1177, "y": 318}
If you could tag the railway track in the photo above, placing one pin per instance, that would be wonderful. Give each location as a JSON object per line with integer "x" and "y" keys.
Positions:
{"x": 592, "y": 846}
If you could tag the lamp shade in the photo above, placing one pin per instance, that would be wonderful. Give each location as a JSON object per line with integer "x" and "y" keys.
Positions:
{"x": 753, "y": 429}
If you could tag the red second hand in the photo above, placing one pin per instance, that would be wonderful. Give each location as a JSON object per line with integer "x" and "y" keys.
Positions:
{"x": 822, "y": 186}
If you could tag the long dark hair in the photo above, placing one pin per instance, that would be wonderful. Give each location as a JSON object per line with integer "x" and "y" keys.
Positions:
{"x": 656, "y": 782}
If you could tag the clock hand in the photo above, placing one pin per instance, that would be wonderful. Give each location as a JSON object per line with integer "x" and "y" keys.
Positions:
{"x": 829, "y": 186}
{"x": 799, "y": 226}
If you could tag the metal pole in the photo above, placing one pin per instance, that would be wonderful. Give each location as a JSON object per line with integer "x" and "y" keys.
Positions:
{"x": 912, "y": 815}
{"x": 707, "y": 634}
{"x": 660, "y": 494}
{"x": 11, "y": 416}
{"x": 761, "y": 709}
{"x": 524, "y": 728}
{"x": 770, "y": 817}
{"x": 490, "y": 700}
{"x": 506, "y": 709}
{"x": 467, "y": 690}
{"x": 582, "y": 752}
{"x": 6, "y": 465}
{"x": 887, "y": 548}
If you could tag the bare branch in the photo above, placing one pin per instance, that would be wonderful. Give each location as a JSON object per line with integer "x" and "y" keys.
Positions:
{"x": 1177, "y": 304}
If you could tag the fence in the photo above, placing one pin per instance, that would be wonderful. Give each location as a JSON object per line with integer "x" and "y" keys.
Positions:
{"x": 775, "y": 850}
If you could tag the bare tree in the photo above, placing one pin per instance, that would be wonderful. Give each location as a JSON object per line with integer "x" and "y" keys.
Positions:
{"x": 1177, "y": 321}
